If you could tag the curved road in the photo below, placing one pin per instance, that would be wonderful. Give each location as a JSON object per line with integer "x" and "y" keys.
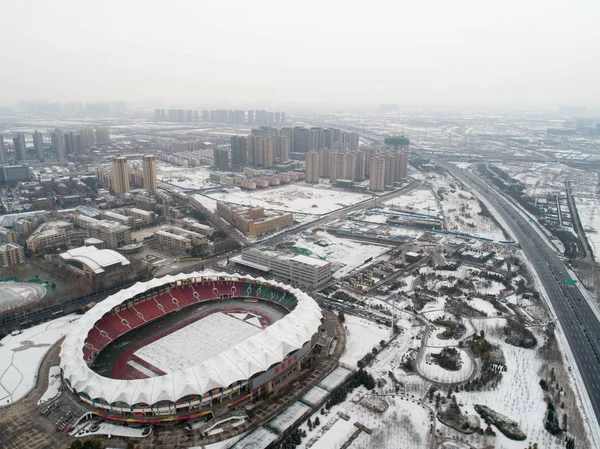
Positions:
{"x": 579, "y": 323}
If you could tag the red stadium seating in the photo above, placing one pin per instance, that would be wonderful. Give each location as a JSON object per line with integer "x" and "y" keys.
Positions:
{"x": 224, "y": 288}
{"x": 112, "y": 325}
{"x": 165, "y": 301}
{"x": 131, "y": 316}
{"x": 149, "y": 310}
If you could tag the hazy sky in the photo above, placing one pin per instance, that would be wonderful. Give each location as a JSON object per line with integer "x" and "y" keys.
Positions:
{"x": 237, "y": 53}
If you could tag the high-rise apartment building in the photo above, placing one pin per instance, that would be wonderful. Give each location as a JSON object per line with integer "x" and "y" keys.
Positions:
{"x": 403, "y": 169}
{"x": 3, "y": 158}
{"x": 38, "y": 144}
{"x": 71, "y": 144}
{"x": 377, "y": 174}
{"x": 361, "y": 159}
{"x": 120, "y": 175}
{"x": 221, "y": 159}
{"x": 149, "y": 166}
{"x": 239, "y": 151}
{"x": 58, "y": 145}
{"x": 324, "y": 162}
{"x": 102, "y": 135}
{"x": 269, "y": 152}
{"x": 284, "y": 149}
{"x": 20, "y": 148}
{"x": 312, "y": 167}
{"x": 88, "y": 138}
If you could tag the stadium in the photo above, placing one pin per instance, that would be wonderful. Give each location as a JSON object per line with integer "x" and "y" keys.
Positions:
{"x": 177, "y": 347}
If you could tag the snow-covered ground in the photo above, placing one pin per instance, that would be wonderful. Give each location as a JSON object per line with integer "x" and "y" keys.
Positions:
{"x": 462, "y": 209}
{"x": 405, "y": 423}
{"x": 298, "y": 198}
{"x": 518, "y": 395}
{"x": 483, "y": 305}
{"x": 589, "y": 214}
{"x": 184, "y": 177}
{"x": 209, "y": 203}
{"x": 420, "y": 201}
{"x": 361, "y": 337}
{"x": 197, "y": 342}
{"x": 21, "y": 356}
{"x": 18, "y": 294}
{"x": 539, "y": 179}
{"x": 345, "y": 254}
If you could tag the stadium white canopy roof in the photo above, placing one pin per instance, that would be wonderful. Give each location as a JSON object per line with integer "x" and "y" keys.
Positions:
{"x": 252, "y": 356}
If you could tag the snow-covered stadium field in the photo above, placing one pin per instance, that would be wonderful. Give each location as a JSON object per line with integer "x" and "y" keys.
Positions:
{"x": 197, "y": 342}
{"x": 18, "y": 294}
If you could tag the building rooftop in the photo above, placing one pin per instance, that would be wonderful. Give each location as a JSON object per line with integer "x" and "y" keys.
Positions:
{"x": 173, "y": 236}
{"x": 135, "y": 210}
{"x": 116, "y": 215}
{"x": 96, "y": 259}
{"x": 310, "y": 260}
{"x": 93, "y": 241}
{"x": 6, "y": 246}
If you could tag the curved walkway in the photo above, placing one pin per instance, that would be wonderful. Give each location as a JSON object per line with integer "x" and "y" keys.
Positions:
{"x": 423, "y": 348}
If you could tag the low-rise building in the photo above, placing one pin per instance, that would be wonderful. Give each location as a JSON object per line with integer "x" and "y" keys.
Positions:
{"x": 113, "y": 234}
{"x": 141, "y": 217}
{"x": 119, "y": 218}
{"x": 26, "y": 225}
{"x": 89, "y": 261}
{"x": 252, "y": 220}
{"x": 179, "y": 238}
{"x": 304, "y": 271}
{"x": 51, "y": 234}
{"x": 192, "y": 224}
{"x": 7, "y": 236}
{"x": 11, "y": 254}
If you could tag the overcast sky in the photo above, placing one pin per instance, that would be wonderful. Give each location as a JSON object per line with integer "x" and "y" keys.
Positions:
{"x": 238, "y": 53}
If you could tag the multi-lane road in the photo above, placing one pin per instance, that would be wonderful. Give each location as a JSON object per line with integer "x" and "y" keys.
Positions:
{"x": 578, "y": 321}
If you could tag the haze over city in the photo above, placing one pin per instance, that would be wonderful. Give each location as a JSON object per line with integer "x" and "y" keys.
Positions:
{"x": 332, "y": 53}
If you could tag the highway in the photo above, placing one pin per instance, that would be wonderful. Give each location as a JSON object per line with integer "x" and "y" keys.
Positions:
{"x": 577, "y": 319}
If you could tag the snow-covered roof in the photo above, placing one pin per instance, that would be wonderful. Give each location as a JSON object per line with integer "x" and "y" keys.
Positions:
{"x": 96, "y": 259}
{"x": 310, "y": 260}
{"x": 254, "y": 355}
